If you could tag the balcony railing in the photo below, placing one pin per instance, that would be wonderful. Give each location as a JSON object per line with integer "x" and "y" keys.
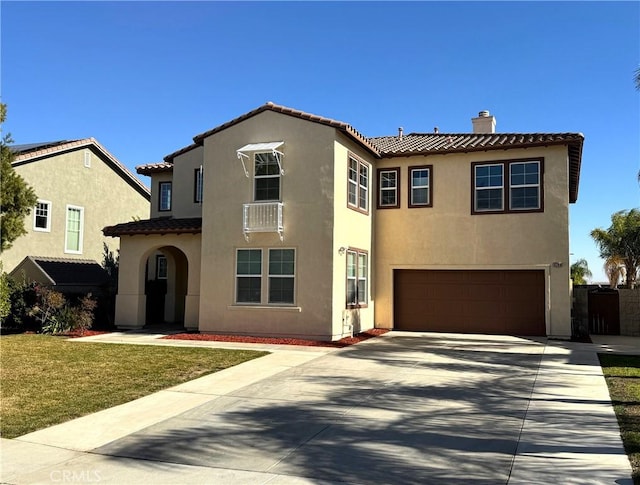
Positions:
{"x": 262, "y": 217}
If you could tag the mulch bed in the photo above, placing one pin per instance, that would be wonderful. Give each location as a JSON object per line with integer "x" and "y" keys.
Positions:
{"x": 345, "y": 342}
{"x": 84, "y": 333}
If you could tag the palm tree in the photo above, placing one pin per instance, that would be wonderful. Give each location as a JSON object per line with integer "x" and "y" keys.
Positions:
{"x": 622, "y": 240}
{"x": 614, "y": 269}
{"x": 580, "y": 272}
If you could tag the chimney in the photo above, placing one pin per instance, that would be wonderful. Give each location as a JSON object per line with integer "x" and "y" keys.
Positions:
{"x": 400, "y": 133}
{"x": 484, "y": 123}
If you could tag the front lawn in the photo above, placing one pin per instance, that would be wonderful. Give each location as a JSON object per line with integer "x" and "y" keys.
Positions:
{"x": 47, "y": 380}
{"x": 622, "y": 373}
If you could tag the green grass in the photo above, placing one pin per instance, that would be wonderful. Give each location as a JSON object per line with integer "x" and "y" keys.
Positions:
{"x": 47, "y": 380}
{"x": 622, "y": 373}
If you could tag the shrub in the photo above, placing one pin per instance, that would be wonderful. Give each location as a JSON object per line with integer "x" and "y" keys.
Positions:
{"x": 22, "y": 297}
{"x": 5, "y": 296}
{"x": 47, "y": 309}
{"x": 58, "y": 316}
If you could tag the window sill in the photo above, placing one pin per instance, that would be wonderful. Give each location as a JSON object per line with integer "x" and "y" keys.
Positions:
{"x": 279, "y": 308}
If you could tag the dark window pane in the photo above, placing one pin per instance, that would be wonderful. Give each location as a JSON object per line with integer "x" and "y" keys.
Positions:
{"x": 281, "y": 290}
{"x": 490, "y": 199}
{"x": 419, "y": 196}
{"x": 388, "y": 197}
{"x": 249, "y": 262}
{"x": 281, "y": 261}
{"x": 525, "y": 198}
{"x": 248, "y": 290}
{"x": 268, "y": 188}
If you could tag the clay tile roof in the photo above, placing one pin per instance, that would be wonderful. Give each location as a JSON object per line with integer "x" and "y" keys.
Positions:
{"x": 340, "y": 125}
{"x": 35, "y": 151}
{"x": 151, "y": 168}
{"x": 169, "y": 158}
{"x": 417, "y": 143}
{"x": 440, "y": 143}
{"x": 162, "y": 225}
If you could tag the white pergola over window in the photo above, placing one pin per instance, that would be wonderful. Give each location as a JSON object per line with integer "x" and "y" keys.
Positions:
{"x": 270, "y": 146}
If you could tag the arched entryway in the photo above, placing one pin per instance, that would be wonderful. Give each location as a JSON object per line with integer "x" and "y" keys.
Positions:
{"x": 166, "y": 279}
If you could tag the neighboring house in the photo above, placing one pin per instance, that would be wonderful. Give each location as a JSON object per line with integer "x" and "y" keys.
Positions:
{"x": 68, "y": 276}
{"x": 81, "y": 188}
{"x": 284, "y": 223}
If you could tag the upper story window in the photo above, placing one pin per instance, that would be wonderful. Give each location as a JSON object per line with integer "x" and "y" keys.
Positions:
{"x": 266, "y": 177}
{"x": 74, "y": 230}
{"x": 164, "y": 197}
{"x": 421, "y": 186}
{"x": 42, "y": 216}
{"x": 358, "y": 185}
{"x": 388, "y": 188}
{"x": 510, "y": 186}
{"x": 198, "y": 179}
{"x": 524, "y": 185}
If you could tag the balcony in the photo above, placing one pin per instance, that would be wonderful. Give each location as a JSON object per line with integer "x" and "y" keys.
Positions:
{"x": 262, "y": 217}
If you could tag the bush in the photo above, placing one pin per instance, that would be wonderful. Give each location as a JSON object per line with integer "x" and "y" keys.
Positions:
{"x": 5, "y": 296}
{"x": 21, "y": 297}
{"x": 57, "y": 316}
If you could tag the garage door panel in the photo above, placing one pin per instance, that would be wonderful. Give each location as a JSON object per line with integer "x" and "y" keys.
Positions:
{"x": 477, "y": 301}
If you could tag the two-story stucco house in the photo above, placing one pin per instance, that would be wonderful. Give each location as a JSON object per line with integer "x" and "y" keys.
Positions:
{"x": 81, "y": 188}
{"x": 284, "y": 223}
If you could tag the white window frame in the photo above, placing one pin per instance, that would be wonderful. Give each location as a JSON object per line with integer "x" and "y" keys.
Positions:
{"x": 161, "y": 184}
{"x": 477, "y": 189}
{"x": 49, "y": 205}
{"x": 281, "y": 276}
{"x": 87, "y": 158}
{"x": 359, "y": 280}
{"x": 252, "y": 275}
{"x": 524, "y": 186}
{"x": 81, "y": 230}
{"x": 395, "y": 189}
{"x": 162, "y": 275}
{"x": 427, "y": 187}
{"x": 359, "y": 184}
{"x": 272, "y": 158}
{"x": 198, "y": 184}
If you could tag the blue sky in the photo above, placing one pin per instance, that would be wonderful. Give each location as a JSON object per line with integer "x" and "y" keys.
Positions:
{"x": 144, "y": 77}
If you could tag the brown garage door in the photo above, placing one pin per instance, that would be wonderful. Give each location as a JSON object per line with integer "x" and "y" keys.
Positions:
{"x": 475, "y": 301}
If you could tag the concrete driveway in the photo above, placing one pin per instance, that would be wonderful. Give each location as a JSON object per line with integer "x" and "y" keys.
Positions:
{"x": 401, "y": 409}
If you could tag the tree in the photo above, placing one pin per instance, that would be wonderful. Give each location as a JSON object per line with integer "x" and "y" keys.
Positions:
{"x": 622, "y": 239}
{"x": 614, "y": 269}
{"x": 580, "y": 272}
{"x": 17, "y": 198}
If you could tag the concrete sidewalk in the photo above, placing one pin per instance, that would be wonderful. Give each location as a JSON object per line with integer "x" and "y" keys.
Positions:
{"x": 401, "y": 408}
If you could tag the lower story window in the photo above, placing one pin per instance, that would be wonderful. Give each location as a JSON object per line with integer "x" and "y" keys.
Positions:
{"x": 281, "y": 275}
{"x": 161, "y": 267}
{"x": 357, "y": 277}
{"x": 279, "y": 279}
{"x": 249, "y": 276}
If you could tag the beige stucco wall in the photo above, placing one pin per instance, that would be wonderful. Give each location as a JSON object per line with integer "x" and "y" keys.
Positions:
{"x": 308, "y": 196}
{"x": 63, "y": 180}
{"x": 352, "y": 229}
{"x": 447, "y": 236}
{"x": 180, "y": 250}
{"x": 156, "y": 178}
{"x": 183, "y": 183}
